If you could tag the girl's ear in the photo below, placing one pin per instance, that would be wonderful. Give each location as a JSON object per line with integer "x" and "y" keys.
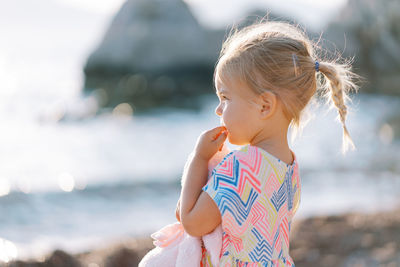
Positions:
{"x": 268, "y": 102}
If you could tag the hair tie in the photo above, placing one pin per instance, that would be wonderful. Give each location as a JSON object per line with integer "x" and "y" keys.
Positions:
{"x": 316, "y": 66}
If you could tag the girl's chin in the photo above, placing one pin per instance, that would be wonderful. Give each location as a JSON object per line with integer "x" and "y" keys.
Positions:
{"x": 232, "y": 140}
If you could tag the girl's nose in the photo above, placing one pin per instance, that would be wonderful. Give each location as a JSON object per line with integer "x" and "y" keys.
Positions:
{"x": 218, "y": 110}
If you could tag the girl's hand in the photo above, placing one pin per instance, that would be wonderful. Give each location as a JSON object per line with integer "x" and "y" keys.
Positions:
{"x": 209, "y": 142}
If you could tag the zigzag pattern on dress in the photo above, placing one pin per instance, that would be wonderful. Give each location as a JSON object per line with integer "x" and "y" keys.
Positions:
{"x": 255, "y": 193}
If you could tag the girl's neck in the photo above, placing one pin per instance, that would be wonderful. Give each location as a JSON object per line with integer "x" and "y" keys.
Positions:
{"x": 271, "y": 135}
{"x": 277, "y": 146}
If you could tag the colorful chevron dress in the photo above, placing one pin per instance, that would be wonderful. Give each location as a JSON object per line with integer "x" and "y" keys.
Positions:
{"x": 257, "y": 195}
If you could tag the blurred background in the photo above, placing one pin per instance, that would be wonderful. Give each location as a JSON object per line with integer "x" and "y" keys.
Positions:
{"x": 102, "y": 101}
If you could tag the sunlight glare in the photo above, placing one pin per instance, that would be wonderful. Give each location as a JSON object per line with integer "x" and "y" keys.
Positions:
{"x": 4, "y": 187}
{"x": 98, "y": 6}
{"x": 24, "y": 185}
{"x": 8, "y": 251}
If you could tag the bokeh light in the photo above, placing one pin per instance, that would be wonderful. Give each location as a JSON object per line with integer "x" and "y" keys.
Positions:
{"x": 123, "y": 110}
{"x": 66, "y": 182}
{"x": 386, "y": 134}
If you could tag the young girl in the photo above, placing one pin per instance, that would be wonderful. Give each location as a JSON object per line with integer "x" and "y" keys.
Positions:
{"x": 266, "y": 75}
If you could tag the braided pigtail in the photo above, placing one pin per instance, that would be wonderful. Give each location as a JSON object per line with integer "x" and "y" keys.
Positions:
{"x": 337, "y": 83}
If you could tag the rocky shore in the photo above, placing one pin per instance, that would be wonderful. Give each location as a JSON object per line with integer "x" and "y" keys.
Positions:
{"x": 353, "y": 239}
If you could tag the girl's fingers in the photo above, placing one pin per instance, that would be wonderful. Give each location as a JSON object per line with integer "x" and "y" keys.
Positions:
{"x": 221, "y": 139}
{"x": 217, "y": 131}
{"x": 222, "y": 136}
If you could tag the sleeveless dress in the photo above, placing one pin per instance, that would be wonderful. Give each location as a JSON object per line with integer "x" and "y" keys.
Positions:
{"x": 257, "y": 195}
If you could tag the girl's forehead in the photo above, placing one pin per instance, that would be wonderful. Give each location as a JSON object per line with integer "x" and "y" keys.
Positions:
{"x": 226, "y": 86}
{"x": 234, "y": 87}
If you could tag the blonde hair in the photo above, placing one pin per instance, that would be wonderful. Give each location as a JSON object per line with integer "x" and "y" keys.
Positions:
{"x": 279, "y": 57}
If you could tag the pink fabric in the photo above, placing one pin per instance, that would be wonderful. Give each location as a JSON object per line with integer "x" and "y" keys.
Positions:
{"x": 168, "y": 235}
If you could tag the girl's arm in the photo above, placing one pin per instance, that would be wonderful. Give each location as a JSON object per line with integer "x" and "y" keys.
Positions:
{"x": 199, "y": 214}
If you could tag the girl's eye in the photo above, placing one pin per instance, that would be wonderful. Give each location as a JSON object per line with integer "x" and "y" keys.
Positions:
{"x": 224, "y": 97}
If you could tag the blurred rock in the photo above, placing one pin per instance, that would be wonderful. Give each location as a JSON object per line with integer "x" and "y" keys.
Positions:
{"x": 60, "y": 258}
{"x": 123, "y": 258}
{"x": 127, "y": 253}
{"x": 153, "y": 53}
{"x": 369, "y": 30}
{"x": 19, "y": 263}
{"x": 353, "y": 239}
